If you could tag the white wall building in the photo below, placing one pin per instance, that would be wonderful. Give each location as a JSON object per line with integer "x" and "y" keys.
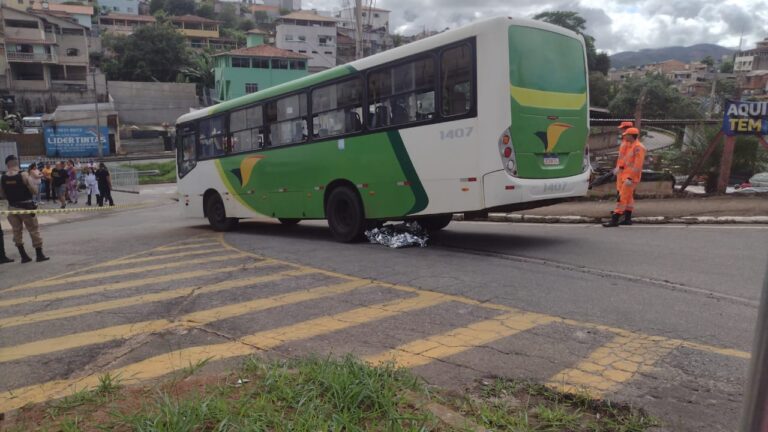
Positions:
{"x": 284, "y": 4}
{"x": 310, "y": 34}
{"x": 743, "y": 64}
{"x": 373, "y": 19}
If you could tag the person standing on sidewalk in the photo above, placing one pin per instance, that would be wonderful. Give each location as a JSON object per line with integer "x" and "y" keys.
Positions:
{"x": 47, "y": 180}
{"x": 91, "y": 185}
{"x": 105, "y": 185}
{"x": 59, "y": 179}
{"x": 16, "y": 187}
{"x": 629, "y": 171}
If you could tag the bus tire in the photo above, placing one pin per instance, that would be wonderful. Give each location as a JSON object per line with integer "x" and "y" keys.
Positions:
{"x": 289, "y": 221}
{"x": 435, "y": 223}
{"x": 217, "y": 214}
{"x": 345, "y": 214}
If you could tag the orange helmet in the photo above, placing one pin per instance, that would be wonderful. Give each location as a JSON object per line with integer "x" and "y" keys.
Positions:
{"x": 626, "y": 125}
{"x": 632, "y": 131}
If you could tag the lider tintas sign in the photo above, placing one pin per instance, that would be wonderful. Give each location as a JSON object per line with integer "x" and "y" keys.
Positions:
{"x": 75, "y": 141}
{"x": 745, "y": 118}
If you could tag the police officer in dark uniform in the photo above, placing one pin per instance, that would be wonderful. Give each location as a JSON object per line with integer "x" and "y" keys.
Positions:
{"x": 3, "y": 258}
{"x": 15, "y": 186}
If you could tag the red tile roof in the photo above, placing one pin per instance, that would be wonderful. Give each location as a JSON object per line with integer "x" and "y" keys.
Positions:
{"x": 129, "y": 17}
{"x": 264, "y": 51}
{"x": 256, "y": 31}
{"x": 71, "y": 9}
{"x": 264, "y": 8}
{"x": 193, "y": 19}
{"x": 306, "y": 16}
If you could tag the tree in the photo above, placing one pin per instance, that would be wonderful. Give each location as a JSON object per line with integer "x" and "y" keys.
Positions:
{"x": 180, "y": 7}
{"x": 571, "y": 20}
{"x": 726, "y": 67}
{"x": 156, "y": 6}
{"x": 200, "y": 71}
{"x": 600, "y": 90}
{"x": 228, "y": 16}
{"x": 151, "y": 53}
{"x": 246, "y": 25}
{"x": 662, "y": 100}
{"x": 708, "y": 60}
{"x": 205, "y": 10}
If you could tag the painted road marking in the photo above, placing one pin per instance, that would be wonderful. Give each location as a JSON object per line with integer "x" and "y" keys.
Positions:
{"x": 153, "y": 258}
{"x": 127, "y": 271}
{"x": 187, "y": 246}
{"x": 58, "y": 295}
{"x": 424, "y": 351}
{"x": 614, "y": 364}
{"x": 163, "y": 364}
{"x": 190, "y": 320}
{"x": 145, "y": 298}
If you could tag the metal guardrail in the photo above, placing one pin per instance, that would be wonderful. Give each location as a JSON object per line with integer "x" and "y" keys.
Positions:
{"x": 124, "y": 179}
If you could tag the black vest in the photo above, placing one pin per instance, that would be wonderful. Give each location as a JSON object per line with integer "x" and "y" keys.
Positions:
{"x": 15, "y": 189}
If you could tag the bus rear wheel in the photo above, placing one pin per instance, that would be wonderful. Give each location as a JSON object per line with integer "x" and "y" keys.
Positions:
{"x": 289, "y": 221}
{"x": 435, "y": 223}
{"x": 345, "y": 214}
{"x": 217, "y": 214}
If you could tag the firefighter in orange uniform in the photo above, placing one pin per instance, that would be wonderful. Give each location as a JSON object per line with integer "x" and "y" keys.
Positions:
{"x": 622, "y": 152}
{"x": 629, "y": 170}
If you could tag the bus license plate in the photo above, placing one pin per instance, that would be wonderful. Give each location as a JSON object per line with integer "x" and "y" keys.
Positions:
{"x": 551, "y": 160}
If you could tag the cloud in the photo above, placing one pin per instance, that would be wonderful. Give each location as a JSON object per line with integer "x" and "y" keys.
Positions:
{"x": 616, "y": 25}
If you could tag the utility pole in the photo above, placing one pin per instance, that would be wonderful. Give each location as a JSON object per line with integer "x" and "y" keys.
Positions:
{"x": 358, "y": 29}
{"x": 98, "y": 116}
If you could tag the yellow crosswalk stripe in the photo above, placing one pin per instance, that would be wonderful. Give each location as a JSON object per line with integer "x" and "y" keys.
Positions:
{"x": 192, "y": 319}
{"x": 127, "y": 271}
{"x": 163, "y": 364}
{"x": 143, "y": 299}
{"x": 456, "y": 341}
{"x": 58, "y": 295}
{"x": 123, "y": 261}
{"x": 187, "y": 246}
{"x": 614, "y": 363}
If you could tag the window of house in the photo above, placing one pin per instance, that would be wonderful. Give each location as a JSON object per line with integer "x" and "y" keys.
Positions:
{"x": 302, "y": 38}
{"x": 129, "y": 9}
{"x": 211, "y": 133}
{"x": 260, "y": 63}
{"x": 302, "y": 51}
{"x": 247, "y": 129}
{"x": 337, "y": 109}
{"x": 280, "y": 64}
{"x": 324, "y": 40}
{"x": 402, "y": 94}
{"x": 241, "y": 62}
{"x": 298, "y": 64}
{"x": 251, "y": 87}
{"x": 457, "y": 80}
{"x": 73, "y": 52}
{"x": 375, "y": 15}
{"x": 71, "y": 31}
{"x": 287, "y": 119}
{"x": 328, "y": 52}
{"x": 314, "y": 52}
{"x": 363, "y": 13}
{"x": 21, "y": 23}
{"x": 289, "y": 37}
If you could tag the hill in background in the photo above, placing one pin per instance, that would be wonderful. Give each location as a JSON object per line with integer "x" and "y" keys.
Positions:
{"x": 683, "y": 54}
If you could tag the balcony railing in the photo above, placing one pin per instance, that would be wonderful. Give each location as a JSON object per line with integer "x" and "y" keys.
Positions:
{"x": 31, "y": 57}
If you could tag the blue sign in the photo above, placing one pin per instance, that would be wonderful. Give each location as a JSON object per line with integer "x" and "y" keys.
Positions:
{"x": 75, "y": 141}
{"x": 745, "y": 118}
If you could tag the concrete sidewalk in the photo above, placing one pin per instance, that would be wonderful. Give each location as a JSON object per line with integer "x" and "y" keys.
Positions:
{"x": 718, "y": 209}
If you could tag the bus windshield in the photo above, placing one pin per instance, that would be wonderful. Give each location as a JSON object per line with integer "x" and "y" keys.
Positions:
{"x": 532, "y": 51}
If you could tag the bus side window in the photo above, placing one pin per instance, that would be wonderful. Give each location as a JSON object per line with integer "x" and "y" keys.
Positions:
{"x": 379, "y": 91}
{"x": 290, "y": 120}
{"x": 414, "y": 91}
{"x": 456, "y": 85}
{"x": 246, "y": 127}
{"x": 211, "y": 132}
{"x": 187, "y": 157}
{"x": 336, "y": 108}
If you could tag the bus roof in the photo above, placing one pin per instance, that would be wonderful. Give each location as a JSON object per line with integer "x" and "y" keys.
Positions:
{"x": 412, "y": 48}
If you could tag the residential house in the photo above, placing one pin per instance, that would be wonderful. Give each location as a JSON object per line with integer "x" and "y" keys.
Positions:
{"x": 752, "y": 60}
{"x": 345, "y": 48}
{"x": 375, "y": 22}
{"x": 202, "y": 32}
{"x": 286, "y": 5}
{"x": 128, "y": 7}
{"x": 754, "y": 83}
{"x": 124, "y": 24}
{"x": 82, "y": 14}
{"x": 256, "y": 67}
{"x": 44, "y": 52}
{"x": 310, "y": 34}
{"x": 264, "y": 14}
{"x": 666, "y": 67}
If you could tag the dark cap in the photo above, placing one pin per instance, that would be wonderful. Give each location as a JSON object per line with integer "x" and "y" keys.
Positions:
{"x": 10, "y": 158}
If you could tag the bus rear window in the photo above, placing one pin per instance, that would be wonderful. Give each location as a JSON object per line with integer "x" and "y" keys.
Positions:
{"x": 545, "y": 60}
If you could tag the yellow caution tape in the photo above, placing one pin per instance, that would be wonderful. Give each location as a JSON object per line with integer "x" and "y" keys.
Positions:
{"x": 70, "y": 210}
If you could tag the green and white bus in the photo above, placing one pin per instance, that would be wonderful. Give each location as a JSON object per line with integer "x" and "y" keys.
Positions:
{"x": 493, "y": 116}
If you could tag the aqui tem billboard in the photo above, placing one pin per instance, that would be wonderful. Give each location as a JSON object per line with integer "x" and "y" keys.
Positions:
{"x": 75, "y": 141}
{"x": 745, "y": 118}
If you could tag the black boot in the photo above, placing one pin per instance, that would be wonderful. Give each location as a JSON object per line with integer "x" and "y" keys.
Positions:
{"x": 24, "y": 257}
{"x": 40, "y": 256}
{"x": 614, "y": 222}
{"x": 3, "y": 258}
{"x": 627, "y": 218}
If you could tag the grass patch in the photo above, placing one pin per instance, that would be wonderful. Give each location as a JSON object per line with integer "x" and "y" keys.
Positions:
{"x": 315, "y": 394}
{"x": 167, "y": 172}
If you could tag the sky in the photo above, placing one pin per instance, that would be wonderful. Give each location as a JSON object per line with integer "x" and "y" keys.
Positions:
{"x": 617, "y": 25}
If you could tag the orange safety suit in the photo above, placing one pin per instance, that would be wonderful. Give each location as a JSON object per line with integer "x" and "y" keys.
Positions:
{"x": 630, "y": 165}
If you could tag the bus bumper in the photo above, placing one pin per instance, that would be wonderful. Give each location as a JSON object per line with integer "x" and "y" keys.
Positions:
{"x": 500, "y": 189}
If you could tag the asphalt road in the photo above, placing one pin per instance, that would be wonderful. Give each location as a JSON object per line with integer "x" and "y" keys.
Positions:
{"x": 657, "y": 316}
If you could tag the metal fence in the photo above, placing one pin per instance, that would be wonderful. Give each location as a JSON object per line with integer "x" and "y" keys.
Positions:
{"x": 124, "y": 178}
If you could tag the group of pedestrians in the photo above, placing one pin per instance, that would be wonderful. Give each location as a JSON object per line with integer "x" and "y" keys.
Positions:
{"x": 63, "y": 182}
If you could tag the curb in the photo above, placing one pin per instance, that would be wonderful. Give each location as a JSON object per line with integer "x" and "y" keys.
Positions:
{"x": 652, "y": 220}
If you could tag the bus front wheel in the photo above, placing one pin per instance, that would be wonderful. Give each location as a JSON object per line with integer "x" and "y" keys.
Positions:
{"x": 345, "y": 214}
{"x": 217, "y": 214}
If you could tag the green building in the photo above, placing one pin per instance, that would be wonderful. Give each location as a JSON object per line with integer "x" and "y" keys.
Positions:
{"x": 255, "y": 67}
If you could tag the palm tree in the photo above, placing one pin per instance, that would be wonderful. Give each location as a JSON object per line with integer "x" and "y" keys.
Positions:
{"x": 200, "y": 70}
